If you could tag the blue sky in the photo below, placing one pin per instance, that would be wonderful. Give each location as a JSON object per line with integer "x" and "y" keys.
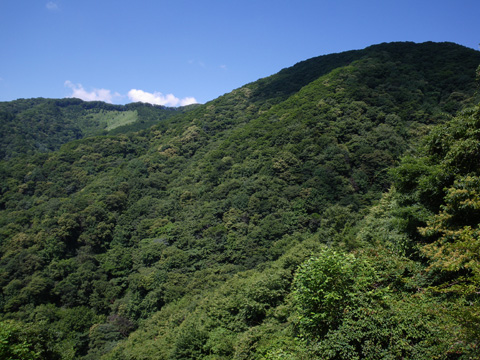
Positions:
{"x": 181, "y": 51}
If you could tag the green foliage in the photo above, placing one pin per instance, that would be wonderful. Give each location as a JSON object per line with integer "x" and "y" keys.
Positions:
{"x": 396, "y": 330}
{"x": 327, "y": 287}
{"x": 14, "y": 342}
{"x": 445, "y": 194}
{"x": 181, "y": 240}
{"x": 29, "y": 126}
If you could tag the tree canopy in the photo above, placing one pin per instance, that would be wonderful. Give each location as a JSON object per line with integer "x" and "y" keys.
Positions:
{"x": 327, "y": 211}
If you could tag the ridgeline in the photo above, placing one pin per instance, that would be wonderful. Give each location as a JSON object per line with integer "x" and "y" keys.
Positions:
{"x": 327, "y": 211}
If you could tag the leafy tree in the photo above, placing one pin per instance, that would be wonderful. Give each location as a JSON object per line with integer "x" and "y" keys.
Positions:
{"x": 14, "y": 344}
{"x": 329, "y": 286}
{"x": 448, "y": 226}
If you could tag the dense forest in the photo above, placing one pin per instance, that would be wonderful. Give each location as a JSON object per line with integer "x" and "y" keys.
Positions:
{"x": 29, "y": 126}
{"x": 329, "y": 211}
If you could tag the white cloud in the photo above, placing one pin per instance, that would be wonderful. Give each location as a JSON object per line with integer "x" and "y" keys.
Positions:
{"x": 189, "y": 100}
{"x": 51, "y": 6}
{"x": 157, "y": 98}
{"x": 95, "y": 95}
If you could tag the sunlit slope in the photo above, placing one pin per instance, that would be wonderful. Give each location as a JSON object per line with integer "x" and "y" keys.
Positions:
{"x": 29, "y": 126}
{"x": 108, "y": 232}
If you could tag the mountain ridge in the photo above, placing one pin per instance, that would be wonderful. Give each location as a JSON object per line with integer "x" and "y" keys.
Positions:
{"x": 184, "y": 240}
{"x": 30, "y": 125}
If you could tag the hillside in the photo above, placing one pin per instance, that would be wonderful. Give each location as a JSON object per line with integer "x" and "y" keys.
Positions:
{"x": 192, "y": 238}
{"x": 28, "y": 126}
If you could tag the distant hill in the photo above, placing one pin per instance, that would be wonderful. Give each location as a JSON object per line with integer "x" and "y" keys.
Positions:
{"x": 40, "y": 125}
{"x": 264, "y": 224}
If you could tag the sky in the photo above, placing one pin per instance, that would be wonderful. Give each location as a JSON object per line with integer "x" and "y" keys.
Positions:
{"x": 179, "y": 52}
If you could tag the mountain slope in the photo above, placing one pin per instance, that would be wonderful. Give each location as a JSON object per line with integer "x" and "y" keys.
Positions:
{"x": 112, "y": 233}
{"x": 41, "y": 125}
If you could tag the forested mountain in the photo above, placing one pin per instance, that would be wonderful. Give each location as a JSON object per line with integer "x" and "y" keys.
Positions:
{"x": 327, "y": 211}
{"x": 28, "y": 126}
